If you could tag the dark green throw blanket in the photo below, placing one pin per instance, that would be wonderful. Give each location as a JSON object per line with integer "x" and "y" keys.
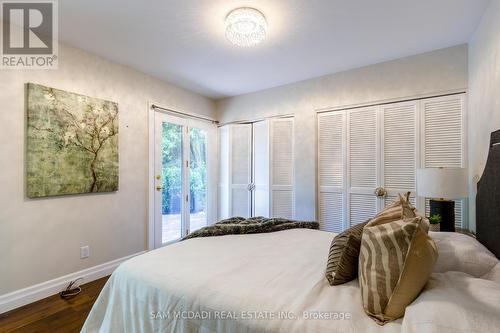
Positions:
{"x": 254, "y": 225}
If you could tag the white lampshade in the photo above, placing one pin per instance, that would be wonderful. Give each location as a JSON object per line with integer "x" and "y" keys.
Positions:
{"x": 446, "y": 183}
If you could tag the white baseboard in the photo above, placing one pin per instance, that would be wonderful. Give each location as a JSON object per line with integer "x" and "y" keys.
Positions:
{"x": 45, "y": 289}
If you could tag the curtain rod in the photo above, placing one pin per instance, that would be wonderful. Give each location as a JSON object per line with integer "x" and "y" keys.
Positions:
{"x": 184, "y": 114}
{"x": 409, "y": 99}
{"x": 256, "y": 120}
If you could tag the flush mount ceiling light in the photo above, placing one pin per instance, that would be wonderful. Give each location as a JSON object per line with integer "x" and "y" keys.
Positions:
{"x": 245, "y": 27}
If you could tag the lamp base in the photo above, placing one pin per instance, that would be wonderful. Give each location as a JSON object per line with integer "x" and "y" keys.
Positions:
{"x": 445, "y": 208}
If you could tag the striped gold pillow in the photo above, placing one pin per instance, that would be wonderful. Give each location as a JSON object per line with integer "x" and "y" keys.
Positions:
{"x": 395, "y": 262}
{"x": 401, "y": 208}
{"x": 343, "y": 257}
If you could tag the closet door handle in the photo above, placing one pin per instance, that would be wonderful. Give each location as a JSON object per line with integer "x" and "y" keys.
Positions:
{"x": 251, "y": 187}
{"x": 380, "y": 192}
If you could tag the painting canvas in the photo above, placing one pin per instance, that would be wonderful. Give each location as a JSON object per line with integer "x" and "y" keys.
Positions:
{"x": 72, "y": 143}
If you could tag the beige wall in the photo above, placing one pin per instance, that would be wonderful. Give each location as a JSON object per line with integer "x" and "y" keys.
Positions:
{"x": 428, "y": 73}
{"x": 40, "y": 239}
{"x": 484, "y": 95}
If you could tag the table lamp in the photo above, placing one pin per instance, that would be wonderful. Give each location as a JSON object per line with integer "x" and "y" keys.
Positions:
{"x": 441, "y": 185}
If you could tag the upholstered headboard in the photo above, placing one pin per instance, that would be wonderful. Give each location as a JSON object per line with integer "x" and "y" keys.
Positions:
{"x": 488, "y": 199}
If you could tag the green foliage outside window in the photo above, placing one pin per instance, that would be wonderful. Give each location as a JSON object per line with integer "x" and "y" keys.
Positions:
{"x": 172, "y": 169}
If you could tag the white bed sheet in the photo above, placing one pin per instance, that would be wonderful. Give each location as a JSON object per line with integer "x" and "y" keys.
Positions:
{"x": 253, "y": 275}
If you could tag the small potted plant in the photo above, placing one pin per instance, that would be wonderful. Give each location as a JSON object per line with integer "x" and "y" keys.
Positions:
{"x": 435, "y": 222}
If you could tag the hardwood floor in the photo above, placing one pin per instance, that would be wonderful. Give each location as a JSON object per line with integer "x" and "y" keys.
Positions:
{"x": 53, "y": 314}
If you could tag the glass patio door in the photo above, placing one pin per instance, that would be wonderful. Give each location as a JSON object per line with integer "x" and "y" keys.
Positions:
{"x": 182, "y": 177}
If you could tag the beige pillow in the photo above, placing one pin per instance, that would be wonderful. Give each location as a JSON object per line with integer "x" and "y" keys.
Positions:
{"x": 395, "y": 262}
{"x": 401, "y": 208}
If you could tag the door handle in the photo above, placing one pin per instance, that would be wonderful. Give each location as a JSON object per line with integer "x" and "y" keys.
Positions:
{"x": 380, "y": 192}
{"x": 159, "y": 188}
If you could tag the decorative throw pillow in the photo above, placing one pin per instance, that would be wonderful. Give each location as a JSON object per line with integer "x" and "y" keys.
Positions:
{"x": 401, "y": 208}
{"x": 343, "y": 257}
{"x": 395, "y": 262}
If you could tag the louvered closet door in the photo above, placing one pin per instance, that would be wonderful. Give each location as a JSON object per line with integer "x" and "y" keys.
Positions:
{"x": 362, "y": 164}
{"x": 443, "y": 140}
{"x": 282, "y": 169}
{"x": 332, "y": 170}
{"x": 241, "y": 169}
{"x": 399, "y": 149}
{"x": 224, "y": 179}
{"x": 261, "y": 169}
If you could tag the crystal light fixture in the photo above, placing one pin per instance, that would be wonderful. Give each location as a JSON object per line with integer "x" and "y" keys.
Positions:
{"x": 245, "y": 27}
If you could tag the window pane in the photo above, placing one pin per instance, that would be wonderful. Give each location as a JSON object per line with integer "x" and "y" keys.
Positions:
{"x": 198, "y": 179}
{"x": 171, "y": 182}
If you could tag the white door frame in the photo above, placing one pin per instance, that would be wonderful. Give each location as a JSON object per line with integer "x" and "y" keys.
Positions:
{"x": 212, "y": 154}
{"x": 160, "y": 118}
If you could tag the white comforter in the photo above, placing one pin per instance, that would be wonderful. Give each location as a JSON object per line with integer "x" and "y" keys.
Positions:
{"x": 275, "y": 282}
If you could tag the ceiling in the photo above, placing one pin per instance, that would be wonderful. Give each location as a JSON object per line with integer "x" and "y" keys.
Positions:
{"x": 182, "y": 41}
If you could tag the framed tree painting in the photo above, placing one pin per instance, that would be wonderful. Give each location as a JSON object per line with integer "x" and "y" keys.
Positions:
{"x": 72, "y": 143}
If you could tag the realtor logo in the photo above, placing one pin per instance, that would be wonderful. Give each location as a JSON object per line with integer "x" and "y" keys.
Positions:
{"x": 29, "y": 34}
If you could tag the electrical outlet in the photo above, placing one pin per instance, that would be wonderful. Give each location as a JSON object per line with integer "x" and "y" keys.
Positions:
{"x": 84, "y": 252}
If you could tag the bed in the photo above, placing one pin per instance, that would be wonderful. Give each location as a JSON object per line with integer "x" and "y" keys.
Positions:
{"x": 275, "y": 282}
